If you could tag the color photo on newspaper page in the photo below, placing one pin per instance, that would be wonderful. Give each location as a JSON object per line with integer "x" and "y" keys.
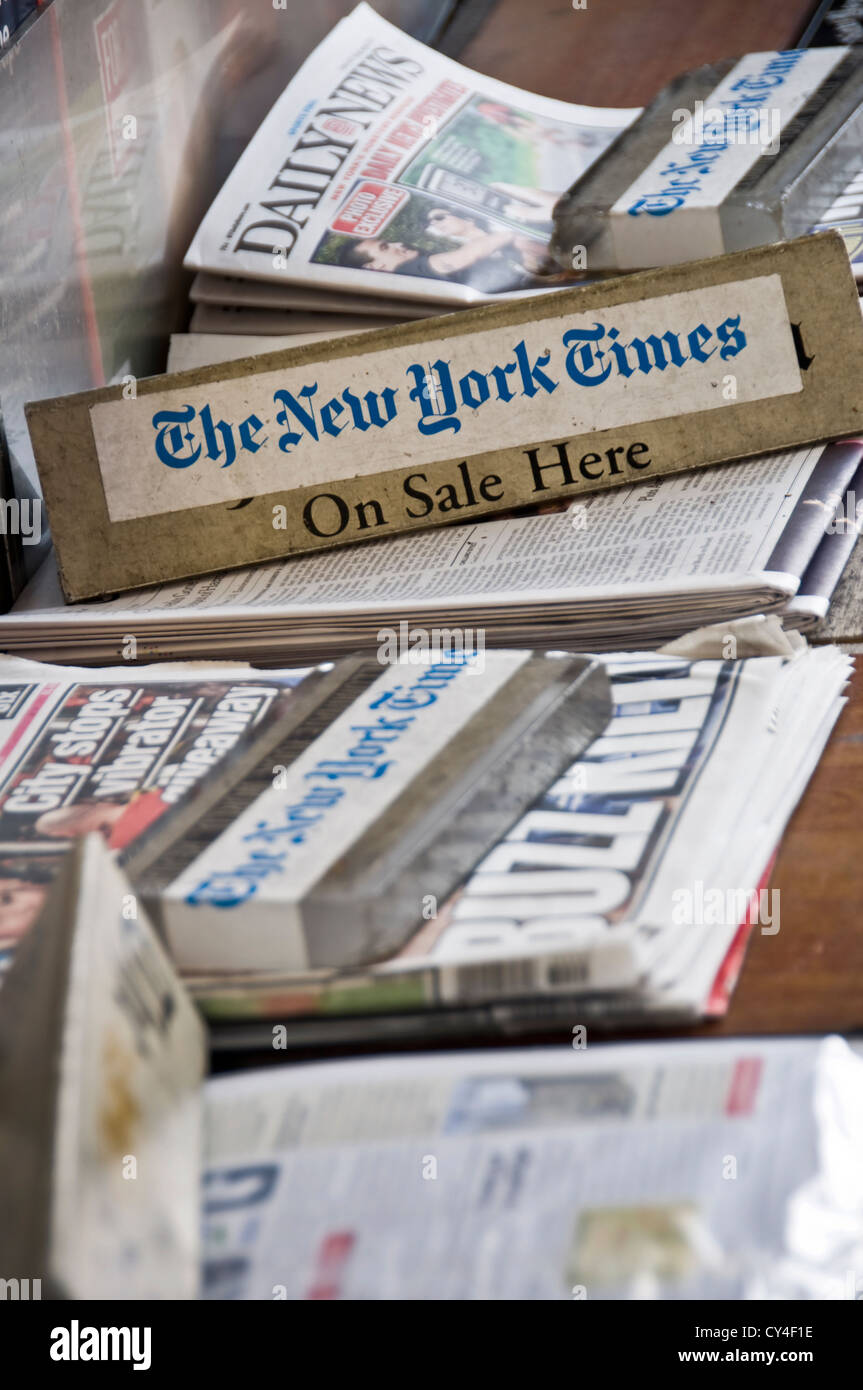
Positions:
{"x": 111, "y": 755}
{"x": 416, "y": 233}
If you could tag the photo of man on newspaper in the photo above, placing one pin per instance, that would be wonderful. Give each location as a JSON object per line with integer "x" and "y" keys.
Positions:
{"x": 385, "y": 228}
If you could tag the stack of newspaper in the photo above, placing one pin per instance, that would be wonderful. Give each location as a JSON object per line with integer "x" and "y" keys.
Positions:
{"x": 389, "y": 181}
{"x": 406, "y": 185}
{"x": 633, "y": 567}
{"x": 626, "y": 894}
{"x": 727, "y": 1169}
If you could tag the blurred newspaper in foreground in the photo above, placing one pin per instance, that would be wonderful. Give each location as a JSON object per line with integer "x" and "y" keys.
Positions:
{"x": 714, "y": 1170}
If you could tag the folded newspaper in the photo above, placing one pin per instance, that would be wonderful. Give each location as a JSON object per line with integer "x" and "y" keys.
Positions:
{"x": 223, "y": 291}
{"x": 388, "y": 170}
{"x": 626, "y": 893}
{"x": 709, "y": 1170}
{"x": 101, "y": 1061}
{"x": 629, "y": 884}
{"x": 463, "y": 159}
{"x": 293, "y": 818}
{"x": 635, "y": 567}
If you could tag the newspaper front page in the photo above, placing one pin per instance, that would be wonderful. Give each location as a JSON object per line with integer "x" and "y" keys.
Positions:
{"x": 387, "y": 169}
{"x": 112, "y": 752}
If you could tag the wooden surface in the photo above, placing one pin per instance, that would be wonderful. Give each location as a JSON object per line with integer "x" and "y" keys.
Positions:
{"x": 809, "y": 977}
{"x": 844, "y": 620}
{"x": 621, "y": 52}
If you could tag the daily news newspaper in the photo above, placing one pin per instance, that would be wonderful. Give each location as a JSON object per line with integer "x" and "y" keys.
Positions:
{"x": 388, "y": 169}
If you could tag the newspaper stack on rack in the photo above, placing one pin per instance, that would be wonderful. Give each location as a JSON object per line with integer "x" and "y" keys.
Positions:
{"x": 625, "y": 895}
{"x": 633, "y": 567}
{"x": 538, "y": 857}
{"x": 291, "y": 818}
{"x": 389, "y": 181}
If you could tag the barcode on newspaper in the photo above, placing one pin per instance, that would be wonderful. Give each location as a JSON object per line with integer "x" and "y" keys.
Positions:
{"x": 482, "y": 979}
